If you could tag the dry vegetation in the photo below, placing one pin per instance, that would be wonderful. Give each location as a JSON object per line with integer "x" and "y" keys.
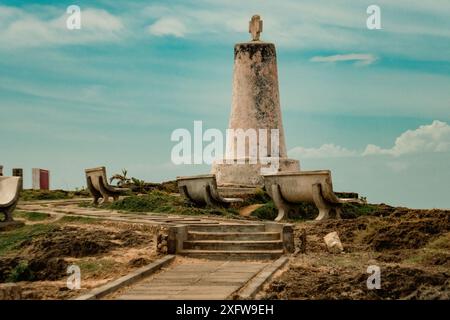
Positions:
{"x": 37, "y": 255}
{"x": 412, "y": 248}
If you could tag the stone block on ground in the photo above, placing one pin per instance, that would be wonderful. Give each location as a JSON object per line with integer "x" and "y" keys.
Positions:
{"x": 333, "y": 242}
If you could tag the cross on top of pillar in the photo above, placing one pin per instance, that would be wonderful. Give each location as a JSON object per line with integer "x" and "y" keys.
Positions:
{"x": 255, "y": 27}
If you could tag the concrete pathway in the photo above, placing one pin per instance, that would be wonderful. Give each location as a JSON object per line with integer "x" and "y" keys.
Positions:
{"x": 186, "y": 279}
{"x": 71, "y": 207}
{"x": 194, "y": 280}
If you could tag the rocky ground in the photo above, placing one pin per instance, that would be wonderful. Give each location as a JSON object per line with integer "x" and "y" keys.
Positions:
{"x": 37, "y": 256}
{"x": 411, "y": 247}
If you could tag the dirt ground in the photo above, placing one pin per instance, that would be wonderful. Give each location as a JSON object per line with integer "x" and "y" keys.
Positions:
{"x": 411, "y": 247}
{"x": 103, "y": 250}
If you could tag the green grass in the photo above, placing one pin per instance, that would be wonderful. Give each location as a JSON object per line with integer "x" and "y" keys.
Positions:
{"x": 10, "y": 241}
{"x": 437, "y": 249}
{"x": 21, "y": 272}
{"x": 92, "y": 267}
{"x": 162, "y": 202}
{"x": 31, "y": 216}
{"x": 33, "y": 195}
{"x": 270, "y": 212}
{"x": 71, "y": 219}
{"x": 157, "y": 201}
{"x": 260, "y": 196}
{"x": 266, "y": 212}
{"x": 353, "y": 210}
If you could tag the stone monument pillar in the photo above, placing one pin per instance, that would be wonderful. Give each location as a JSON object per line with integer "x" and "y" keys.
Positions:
{"x": 255, "y": 105}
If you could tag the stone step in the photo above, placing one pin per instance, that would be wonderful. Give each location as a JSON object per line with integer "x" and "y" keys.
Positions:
{"x": 228, "y": 228}
{"x": 233, "y": 245}
{"x": 261, "y": 236}
{"x": 233, "y": 255}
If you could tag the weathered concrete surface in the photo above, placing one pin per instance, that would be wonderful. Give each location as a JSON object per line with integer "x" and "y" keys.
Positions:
{"x": 289, "y": 188}
{"x": 255, "y": 284}
{"x": 255, "y": 105}
{"x": 202, "y": 189}
{"x": 97, "y": 183}
{"x": 195, "y": 279}
{"x": 127, "y": 280}
{"x": 70, "y": 207}
{"x": 10, "y": 188}
{"x": 333, "y": 242}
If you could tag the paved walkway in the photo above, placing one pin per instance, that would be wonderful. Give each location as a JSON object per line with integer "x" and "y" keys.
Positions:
{"x": 71, "y": 207}
{"x": 194, "y": 280}
{"x": 188, "y": 279}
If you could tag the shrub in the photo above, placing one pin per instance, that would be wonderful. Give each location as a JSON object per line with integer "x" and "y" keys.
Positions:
{"x": 21, "y": 272}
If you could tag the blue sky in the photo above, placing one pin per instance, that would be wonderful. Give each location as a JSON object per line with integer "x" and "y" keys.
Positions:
{"x": 371, "y": 105}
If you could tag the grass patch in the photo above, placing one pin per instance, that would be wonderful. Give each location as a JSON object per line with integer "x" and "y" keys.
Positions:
{"x": 31, "y": 216}
{"x": 353, "y": 210}
{"x": 436, "y": 254}
{"x": 270, "y": 212}
{"x": 11, "y": 240}
{"x": 441, "y": 243}
{"x": 162, "y": 202}
{"x": 96, "y": 267}
{"x": 21, "y": 272}
{"x": 259, "y": 196}
{"x": 71, "y": 219}
{"x": 33, "y": 195}
{"x": 266, "y": 212}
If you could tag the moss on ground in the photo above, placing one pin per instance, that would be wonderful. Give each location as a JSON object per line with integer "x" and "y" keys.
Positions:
{"x": 162, "y": 202}
{"x": 33, "y": 195}
{"x": 93, "y": 267}
{"x": 10, "y": 241}
{"x": 31, "y": 216}
{"x": 70, "y": 219}
{"x": 157, "y": 201}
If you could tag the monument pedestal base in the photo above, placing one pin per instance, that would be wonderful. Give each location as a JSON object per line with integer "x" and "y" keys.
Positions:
{"x": 247, "y": 175}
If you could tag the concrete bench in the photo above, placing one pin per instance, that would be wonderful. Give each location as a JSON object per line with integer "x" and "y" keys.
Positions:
{"x": 291, "y": 188}
{"x": 10, "y": 188}
{"x": 98, "y": 186}
{"x": 202, "y": 190}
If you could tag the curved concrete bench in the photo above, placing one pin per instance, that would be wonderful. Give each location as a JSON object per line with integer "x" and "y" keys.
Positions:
{"x": 10, "y": 188}
{"x": 290, "y": 188}
{"x": 202, "y": 190}
{"x": 98, "y": 186}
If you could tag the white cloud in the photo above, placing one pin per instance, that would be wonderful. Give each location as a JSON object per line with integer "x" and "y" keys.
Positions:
{"x": 325, "y": 151}
{"x": 318, "y": 25}
{"x": 168, "y": 26}
{"x": 434, "y": 137}
{"x": 23, "y": 29}
{"x": 358, "y": 58}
